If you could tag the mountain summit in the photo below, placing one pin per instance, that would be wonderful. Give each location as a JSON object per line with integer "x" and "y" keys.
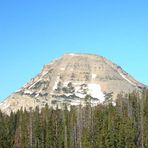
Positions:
{"x": 71, "y": 79}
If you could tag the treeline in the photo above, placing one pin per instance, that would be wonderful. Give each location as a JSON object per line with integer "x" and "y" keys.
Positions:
{"x": 104, "y": 126}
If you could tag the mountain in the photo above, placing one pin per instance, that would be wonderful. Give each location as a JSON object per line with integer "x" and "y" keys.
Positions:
{"x": 71, "y": 79}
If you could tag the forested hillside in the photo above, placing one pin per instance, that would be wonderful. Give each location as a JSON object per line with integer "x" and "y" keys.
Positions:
{"x": 104, "y": 126}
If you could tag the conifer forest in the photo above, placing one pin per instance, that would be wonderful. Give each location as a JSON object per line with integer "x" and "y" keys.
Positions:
{"x": 124, "y": 125}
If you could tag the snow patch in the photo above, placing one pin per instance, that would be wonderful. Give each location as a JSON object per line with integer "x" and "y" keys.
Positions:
{"x": 36, "y": 95}
{"x": 114, "y": 103}
{"x": 80, "y": 95}
{"x": 94, "y": 90}
{"x": 40, "y": 91}
{"x": 56, "y": 83}
{"x": 34, "y": 83}
{"x": 62, "y": 68}
{"x": 78, "y": 83}
{"x": 66, "y": 83}
{"x": 28, "y": 92}
{"x": 123, "y": 76}
{"x": 76, "y": 102}
{"x": 18, "y": 90}
{"x": 80, "y": 92}
{"x": 69, "y": 94}
{"x": 93, "y": 76}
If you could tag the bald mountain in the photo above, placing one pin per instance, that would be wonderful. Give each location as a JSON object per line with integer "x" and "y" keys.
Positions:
{"x": 70, "y": 79}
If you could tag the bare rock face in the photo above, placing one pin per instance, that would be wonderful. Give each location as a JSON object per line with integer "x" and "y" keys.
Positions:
{"x": 71, "y": 79}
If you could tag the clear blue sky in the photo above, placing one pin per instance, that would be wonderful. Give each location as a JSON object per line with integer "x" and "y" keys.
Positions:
{"x": 33, "y": 32}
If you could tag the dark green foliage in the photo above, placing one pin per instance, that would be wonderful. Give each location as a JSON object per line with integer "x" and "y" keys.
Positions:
{"x": 104, "y": 126}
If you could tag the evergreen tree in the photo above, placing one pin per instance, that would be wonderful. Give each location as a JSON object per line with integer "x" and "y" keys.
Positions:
{"x": 103, "y": 126}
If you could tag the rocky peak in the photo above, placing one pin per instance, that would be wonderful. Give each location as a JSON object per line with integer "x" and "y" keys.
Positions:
{"x": 71, "y": 79}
